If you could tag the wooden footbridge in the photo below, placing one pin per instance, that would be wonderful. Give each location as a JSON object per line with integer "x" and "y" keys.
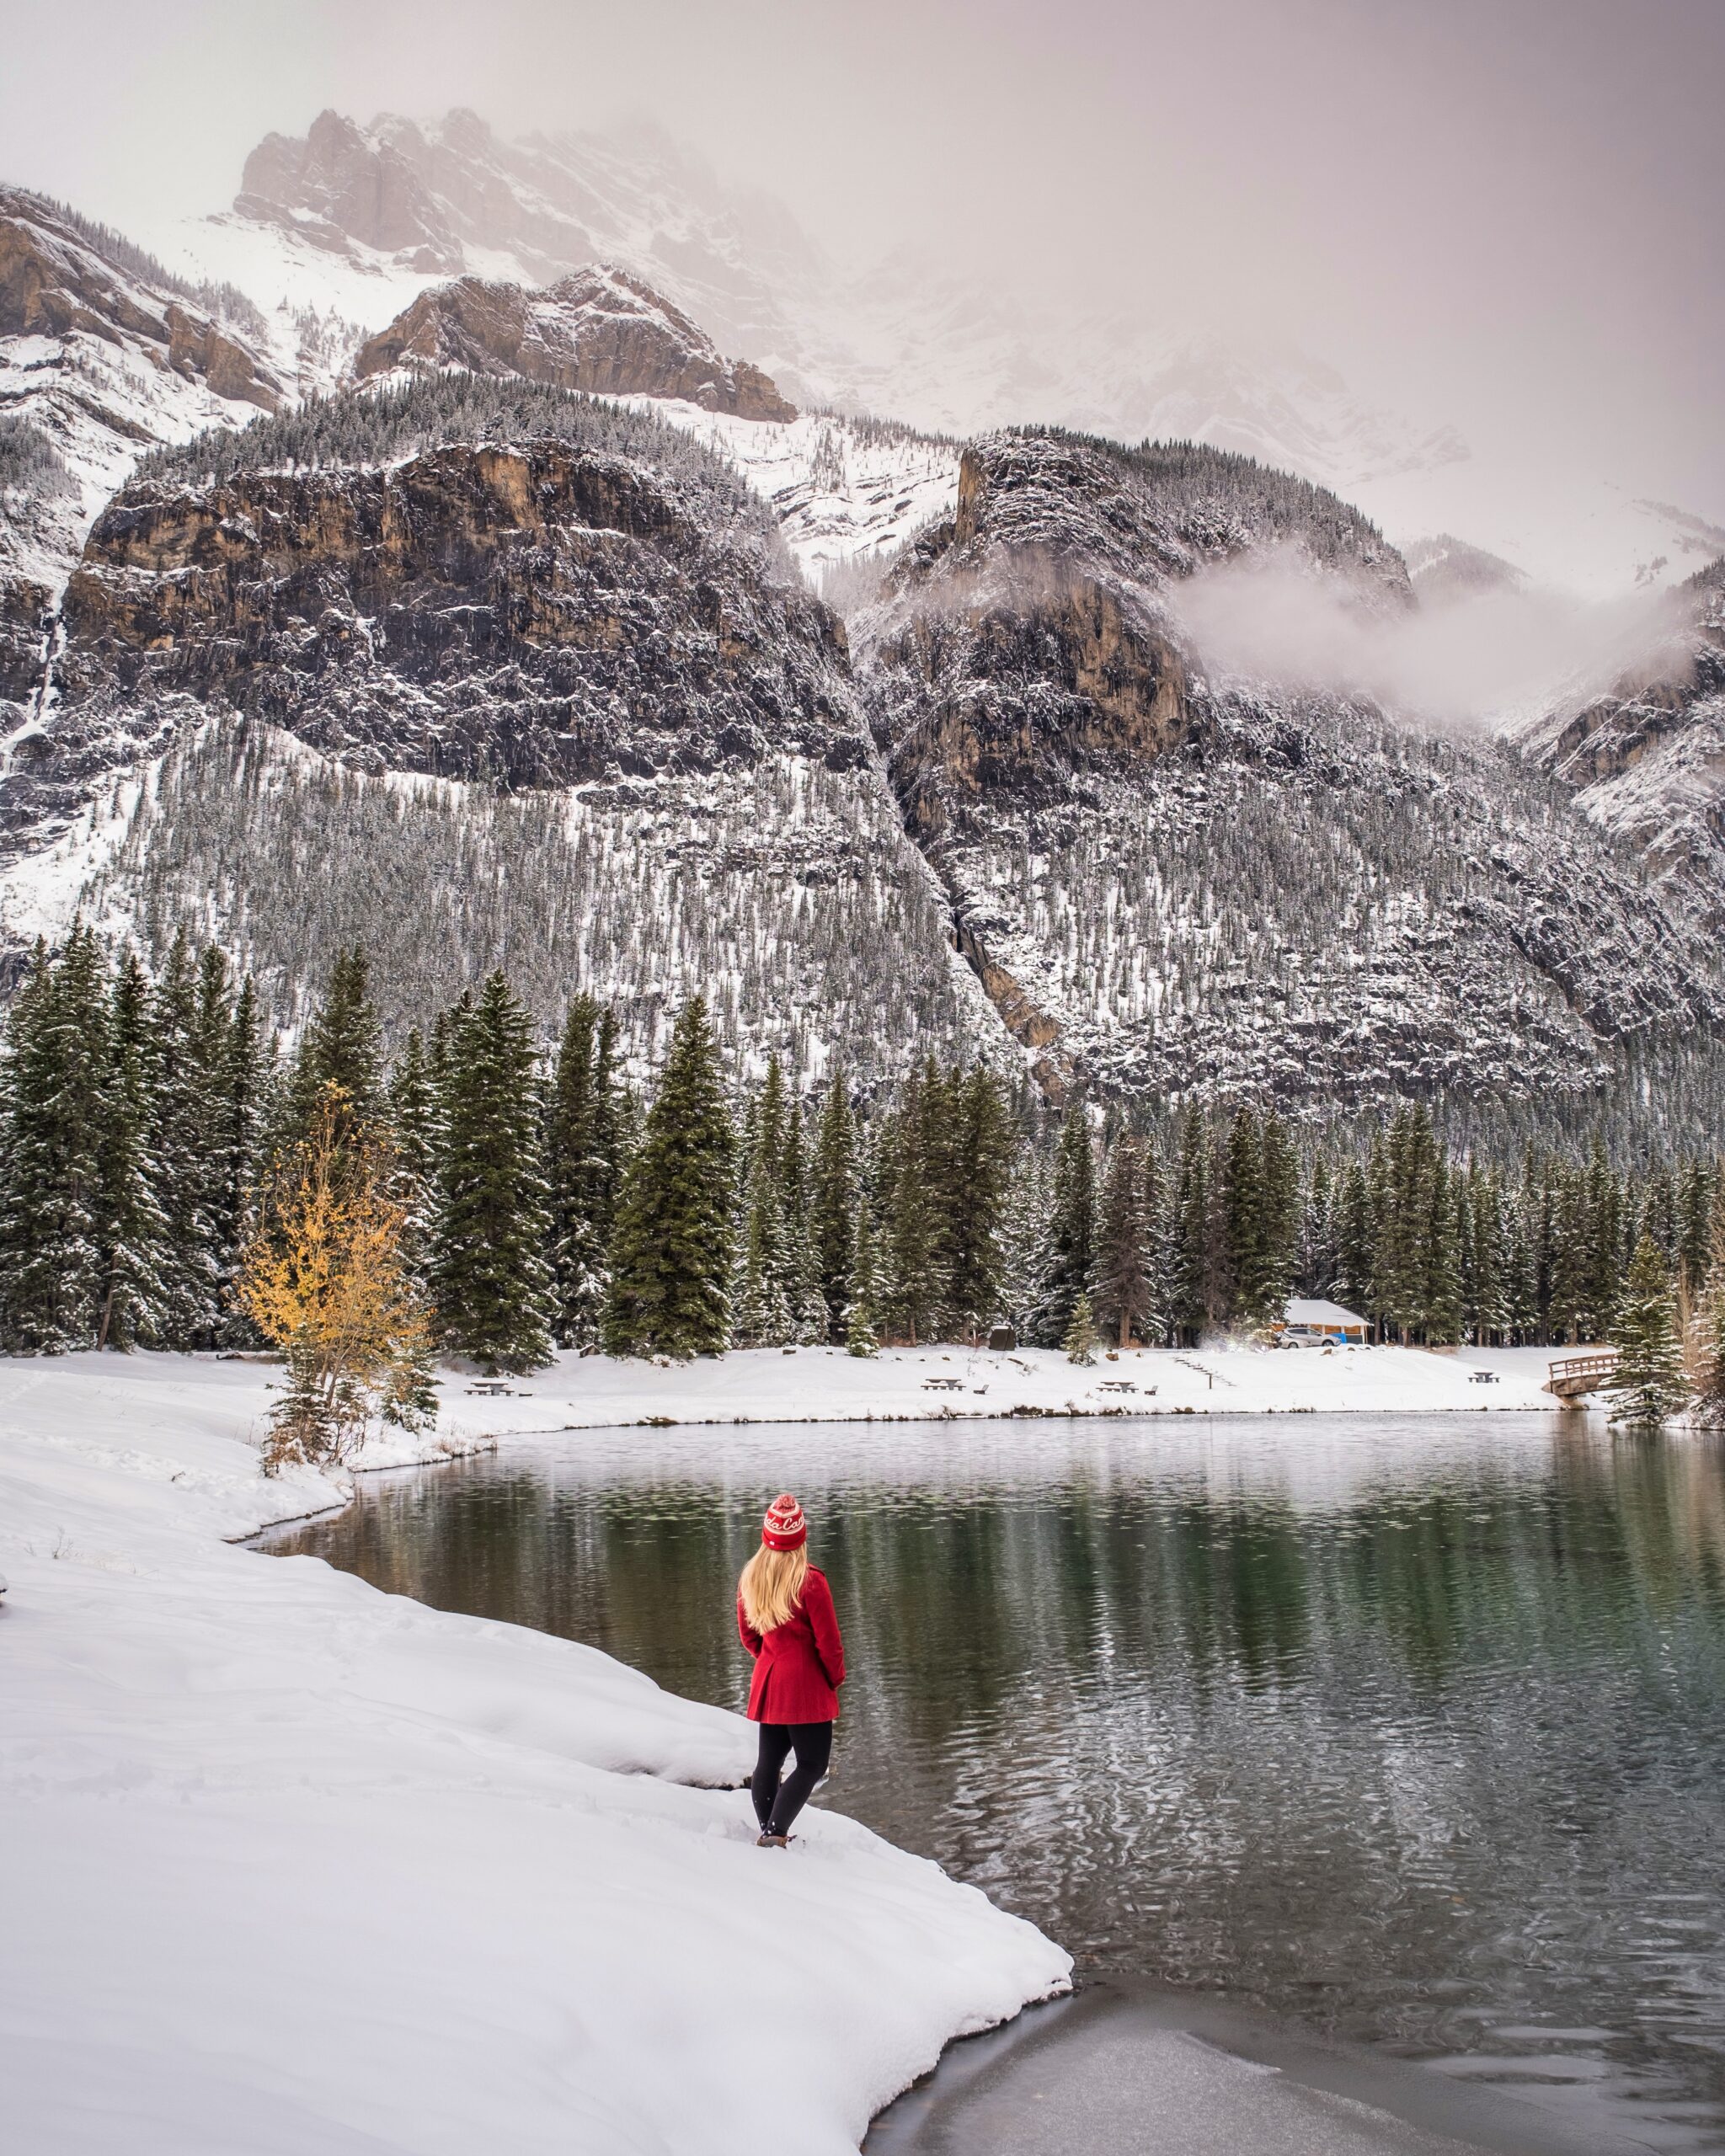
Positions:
{"x": 1574, "y": 1375}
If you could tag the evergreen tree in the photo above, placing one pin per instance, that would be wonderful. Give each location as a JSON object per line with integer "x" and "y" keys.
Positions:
{"x": 342, "y": 1048}
{"x": 670, "y": 1257}
{"x": 912, "y": 1267}
{"x": 1195, "y": 1253}
{"x": 1356, "y": 1241}
{"x": 234, "y": 1055}
{"x": 1709, "y": 1320}
{"x": 583, "y": 1169}
{"x": 51, "y": 1265}
{"x": 1079, "y": 1340}
{"x": 184, "y": 1103}
{"x": 832, "y": 1200}
{"x": 763, "y": 1297}
{"x": 1647, "y": 1383}
{"x": 132, "y": 1227}
{"x": 491, "y": 1285}
{"x": 415, "y": 1125}
{"x": 1125, "y": 1254}
{"x": 1243, "y": 1221}
{"x": 982, "y": 1144}
{"x": 862, "y": 1313}
{"x": 1280, "y": 1233}
{"x": 1069, "y": 1255}
{"x": 1441, "y": 1315}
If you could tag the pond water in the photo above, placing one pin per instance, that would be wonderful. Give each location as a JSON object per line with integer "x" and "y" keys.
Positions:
{"x": 1410, "y": 1728}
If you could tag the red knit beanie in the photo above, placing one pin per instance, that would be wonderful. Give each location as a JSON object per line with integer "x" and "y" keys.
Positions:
{"x": 784, "y": 1527}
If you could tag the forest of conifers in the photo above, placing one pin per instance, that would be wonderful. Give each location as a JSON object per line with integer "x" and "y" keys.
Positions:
{"x": 549, "y": 1204}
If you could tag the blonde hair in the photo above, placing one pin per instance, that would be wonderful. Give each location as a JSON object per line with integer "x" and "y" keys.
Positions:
{"x": 772, "y": 1586}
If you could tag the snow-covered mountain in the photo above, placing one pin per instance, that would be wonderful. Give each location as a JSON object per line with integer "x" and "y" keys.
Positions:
{"x": 485, "y": 673}
{"x": 102, "y": 353}
{"x": 1174, "y": 881}
{"x": 1649, "y": 756}
{"x": 600, "y": 331}
{"x": 358, "y": 220}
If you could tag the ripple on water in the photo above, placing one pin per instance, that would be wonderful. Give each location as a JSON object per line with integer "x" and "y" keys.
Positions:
{"x": 1416, "y": 1732}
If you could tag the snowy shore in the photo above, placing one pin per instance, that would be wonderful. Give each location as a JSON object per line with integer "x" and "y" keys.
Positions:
{"x": 823, "y": 1385}
{"x": 291, "y": 1865}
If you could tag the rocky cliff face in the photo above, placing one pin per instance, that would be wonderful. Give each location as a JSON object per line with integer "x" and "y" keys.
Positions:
{"x": 103, "y": 354}
{"x": 600, "y": 330}
{"x": 546, "y": 613}
{"x": 337, "y": 184}
{"x": 1648, "y": 758}
{"x": 1170, "y": 882}
{"x": 306, "y": 699}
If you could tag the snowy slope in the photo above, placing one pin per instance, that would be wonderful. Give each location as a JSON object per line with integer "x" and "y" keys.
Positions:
{"x": 100, "y": 359}
{"x": 359, "y": 220}
{"x": 841, "y": 487}
{"x": 219, "y": 1762}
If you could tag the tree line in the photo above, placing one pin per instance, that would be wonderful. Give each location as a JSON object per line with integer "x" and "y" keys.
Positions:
{"x": 170, "y": 1181}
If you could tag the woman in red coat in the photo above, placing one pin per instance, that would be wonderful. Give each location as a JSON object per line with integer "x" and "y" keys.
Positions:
{"x": 785, "y": 1618}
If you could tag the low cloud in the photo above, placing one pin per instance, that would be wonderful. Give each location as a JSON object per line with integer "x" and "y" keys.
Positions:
{"x": 1487, "y": 659}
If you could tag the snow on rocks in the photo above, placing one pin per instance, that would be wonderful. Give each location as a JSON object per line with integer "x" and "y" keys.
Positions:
{"x": 294, "y": 1865}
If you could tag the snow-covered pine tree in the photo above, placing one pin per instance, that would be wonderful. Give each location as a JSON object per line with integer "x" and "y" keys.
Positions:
{"x": 1079, "y": 1340}
{"x": 133, "y": 1228}
{"x": 342, "y": 1047}
{"x": 981, "y": 1149}
{"x": 1709, "y": 1320}
{"x": 1069, "y": 1251}
{"x": 763, "y": 1294}
{"x": 1440, "y": 1311}
{"x": 913, "y": 1285}
{"x": 671, "y": 1251}
{"x": 51, "y": 1277}
{"x": 183, "y": 1122}
{"x": 1125, "y": 1243}
{"x": 833, "y": 1199}
{"x": 1356, "y": 1238}
{"x": 582, "y": 1168}
{"x": 861, "y": 1315}
{"x": 244, "y": 1091}
{"x": 491, "y": 1285}
{"x": 1647, "y": 1383}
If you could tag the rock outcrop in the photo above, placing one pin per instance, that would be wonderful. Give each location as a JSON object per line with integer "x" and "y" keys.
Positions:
{"x": 552, "y": 699}
{"x": 103, "y": 354}
{"x": 1647, "y": 758}
{"x": 1172, "y": 882}
{"x": 337, "y": 183}
{"x": 600, "y": 331}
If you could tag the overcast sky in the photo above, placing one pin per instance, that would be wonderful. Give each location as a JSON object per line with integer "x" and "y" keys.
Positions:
{"x": 1509, "y": 213}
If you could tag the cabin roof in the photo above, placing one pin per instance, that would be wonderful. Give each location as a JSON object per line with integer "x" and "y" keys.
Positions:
{"x": 1300, "y": 1311}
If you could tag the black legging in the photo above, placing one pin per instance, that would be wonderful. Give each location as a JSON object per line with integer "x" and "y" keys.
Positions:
{"x": 776, "y": 1802}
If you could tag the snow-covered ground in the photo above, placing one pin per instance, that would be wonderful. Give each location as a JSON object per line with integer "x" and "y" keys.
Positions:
{"x": 823, "y": 1385}
{"x": 291, "y": 1865}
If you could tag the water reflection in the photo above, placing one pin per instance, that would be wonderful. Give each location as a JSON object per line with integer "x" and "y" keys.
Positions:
{"x": 1417, "y": 1730}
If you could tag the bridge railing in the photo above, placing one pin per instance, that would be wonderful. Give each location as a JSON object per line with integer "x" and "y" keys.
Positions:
{"x": 1579, "y": 1372}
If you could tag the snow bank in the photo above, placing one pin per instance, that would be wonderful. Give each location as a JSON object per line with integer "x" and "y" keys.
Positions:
{"x": 292, "y": 1866}
{"x": 823, "y": 1384}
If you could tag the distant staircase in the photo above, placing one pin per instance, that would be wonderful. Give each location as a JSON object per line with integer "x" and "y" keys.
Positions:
{"x": 1576, "y": 1374}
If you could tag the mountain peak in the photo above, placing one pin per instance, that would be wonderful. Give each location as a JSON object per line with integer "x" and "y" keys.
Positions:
{"x": 601, "y": 329}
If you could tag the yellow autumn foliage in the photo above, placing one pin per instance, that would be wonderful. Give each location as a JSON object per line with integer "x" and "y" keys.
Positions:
{"x": 323, "y": 1281}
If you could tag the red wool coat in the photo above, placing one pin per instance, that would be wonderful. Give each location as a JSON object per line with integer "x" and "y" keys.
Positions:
{"x": 800, "y": 1664}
